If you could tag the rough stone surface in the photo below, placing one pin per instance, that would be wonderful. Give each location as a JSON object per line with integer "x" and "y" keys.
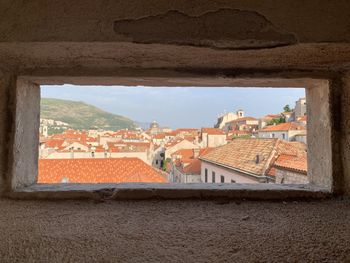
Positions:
{"x": 345, "y": 126}
{"x": 319, "y": 141}
{"x": 7, "y": 81}
{"x": 116, "y": 39}
{"x": 74, "y": 58}
{"x": 223, "y": 29}
{"x": 174, "y": 231}
{"x": 3, "y": 130}
{"x": 25, "y": 147}
{"x": 143, "y": 191}
{"x": 92, "y": 20}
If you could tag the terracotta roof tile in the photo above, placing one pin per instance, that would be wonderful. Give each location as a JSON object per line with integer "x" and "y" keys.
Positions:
{"x": 283, "y": 127}
{"x": 54, "y": 143}
{"x": 213, "y": 131}
{"x": 111, "y": 170}
{"x": 292, "y": 162}
{"x": 242, "y": 154}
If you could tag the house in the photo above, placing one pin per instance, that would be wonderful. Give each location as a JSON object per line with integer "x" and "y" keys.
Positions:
{"x": 186, "y": 166}
{"x": 227, "y": 117}
{"x": 291, "y": 169}
{"x": 176, "y": 145}
{"x": 302, "y": 120}
{"x": 159, "y": 138}
{"x": 182, "y": 132}
{"x": 249, "y": 124}
{"x": 212, "y": 137}
{"x": 247, "y": 160}
{"x": 284, "y": 131}
{"x": 112, "y": 170}
{"x": 157, "y": 156}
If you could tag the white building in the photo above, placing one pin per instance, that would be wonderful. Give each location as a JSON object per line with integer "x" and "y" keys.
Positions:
{"x": 212, "y": 137}
{"x": 248, "y": 160}
{"x": 300, "y": 108}
{"x": 284, "y": 131}
{"x": 227, "y": 117}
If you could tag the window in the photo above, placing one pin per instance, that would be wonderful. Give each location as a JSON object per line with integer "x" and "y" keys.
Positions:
{"x": 206, "y": 174}
{"x": 283, "y": 136}
{"x": 222, "y": 179}
{"x": 213, "y": 177}
{"x": 233, "y": 181}
{"x": 322, "y": 100}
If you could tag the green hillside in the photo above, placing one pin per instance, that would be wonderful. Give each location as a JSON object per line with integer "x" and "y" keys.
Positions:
{"x": 80, "y": 115}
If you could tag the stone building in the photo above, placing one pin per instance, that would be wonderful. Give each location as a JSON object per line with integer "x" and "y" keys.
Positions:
{"x": 211, "y": 137}
{"x": 300, "y": 108}
{"x": 226, "y": 117}
{"x": 253, "y": 161}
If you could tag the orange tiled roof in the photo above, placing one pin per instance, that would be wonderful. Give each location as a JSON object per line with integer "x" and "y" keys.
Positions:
{"x": 302, "y": 118}
{"x": 189, "y": 153}
{"x": 194, "y": 167}
{"x": 292, "y": 162}
{"x": 111, "y": 170}
{"x": 185, "y": 153}
{"x": 187, "y": 157}
{"x": 283, "y": 127}
{"x": 186, "y": 130}
{"x": 241, "y": 154}
{"x": 173, "y": 143}
{"x": 213, "y": 131}
{"x": 159, "y": 136}
{"x": 54, "y": 143}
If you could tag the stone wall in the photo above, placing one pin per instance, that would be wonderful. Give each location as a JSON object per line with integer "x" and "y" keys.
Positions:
{"x": 289, "y": 177}
{"x": 121, "y": 42}
{"x": 345, "y": 124}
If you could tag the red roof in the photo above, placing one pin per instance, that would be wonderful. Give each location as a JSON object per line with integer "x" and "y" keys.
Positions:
{"x": 159, "y": 136}
{"x": 193, "y": 164}
{"x": 283, "y": 127}
{"x": 54, "y": 143}
{"x": 109, "y": 170}
{"x": 292, "y": 162}
{"x": 213, "y": 131}
{"x": 302, "y": 118}
{"x": 194, "y": 167}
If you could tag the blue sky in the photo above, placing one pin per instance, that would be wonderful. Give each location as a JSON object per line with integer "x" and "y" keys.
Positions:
{"x": 178, "y": 107}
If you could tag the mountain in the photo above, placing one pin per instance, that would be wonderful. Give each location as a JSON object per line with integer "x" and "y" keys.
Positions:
{"x": 80, "y": 115}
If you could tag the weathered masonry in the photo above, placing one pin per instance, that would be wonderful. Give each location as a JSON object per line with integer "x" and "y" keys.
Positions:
{"x": 176, "y": 43}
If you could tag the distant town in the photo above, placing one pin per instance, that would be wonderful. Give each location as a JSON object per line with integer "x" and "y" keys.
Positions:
{"x": 237, "y": 149}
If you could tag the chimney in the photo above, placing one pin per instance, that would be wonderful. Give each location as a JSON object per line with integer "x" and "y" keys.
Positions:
{"x": 196, "y": 153}
{"x": 257, "y": 160}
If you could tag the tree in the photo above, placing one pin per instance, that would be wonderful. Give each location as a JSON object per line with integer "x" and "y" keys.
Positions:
{"x": 287, "y": 108}
{"x": 164, "y": 166}
{"x": 277, "y": 121}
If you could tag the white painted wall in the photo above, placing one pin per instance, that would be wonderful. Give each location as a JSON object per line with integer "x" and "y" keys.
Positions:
{"x": 228, "y": 174}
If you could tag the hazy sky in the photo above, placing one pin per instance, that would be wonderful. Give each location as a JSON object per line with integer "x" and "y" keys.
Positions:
{"x": 178, "y": 107}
